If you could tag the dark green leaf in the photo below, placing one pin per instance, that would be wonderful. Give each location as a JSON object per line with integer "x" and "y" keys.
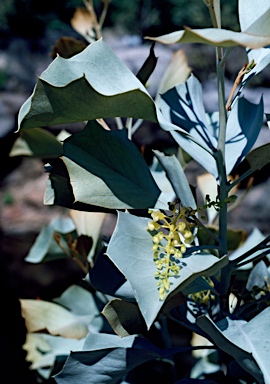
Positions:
{"x": 40, "y": 143}
{"x": 148, "y": 66}
{"x": 259, "y": 157}
{"x": 106, "y": 359}
{"x": 125, "y": 318}
{"x": 92, "y": 84}
{"x": 106, "y": 169}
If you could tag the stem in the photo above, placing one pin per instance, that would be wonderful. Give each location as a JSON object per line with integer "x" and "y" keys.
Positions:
{"x": 129, "y": 127}
{"x": 223, "y": 194}
{"x": 200, "y": 248}
{"x": 213, "y": 14}
{"x": 221, "y": 103}
{"x": 240, "y": 178}
{"x": 201, "y": 225}
{"x": 104, "y": 13}
{"x": 259, "y": 247}
{"x": 237, "y": 82}
{"x": 258, "y": 257}
{"x": 89, "y": 6}
{"x": 119, "y": 123}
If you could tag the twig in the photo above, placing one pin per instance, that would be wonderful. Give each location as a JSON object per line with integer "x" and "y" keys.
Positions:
{"x": 129, "y": 127}
{"x": 237, "y": 82}
{"x": 104, "y": 12}
{"x": 243, "y": 71}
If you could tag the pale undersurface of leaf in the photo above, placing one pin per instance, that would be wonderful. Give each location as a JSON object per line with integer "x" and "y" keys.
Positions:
{"x": 183, "y": 107}
{"x": 258, "y": 277}
{"x": 43, "y": 349}
{"x": 125, "y": 318}
{"x": 106, "y": 359}
{"x": 243, "y": 357}
{"x": 254, "y": 238}
{"x": 250, "y": 11}
{"x": 89, "y": 224}
{"x": 176, "y": 73}
{"x": 208, "y": 186}
{"x": 130, "y": 249}
{"x": 42, "y": 315}
{"x": 45, "y": 246}
{"x": 92, "y": 84}
{"x": 106, "y": 169}
{"x": 244, "y": 341}
{"x": 78, "y": 300}
{"x": 177, "y": 177}
{"x": 257, "y": 35}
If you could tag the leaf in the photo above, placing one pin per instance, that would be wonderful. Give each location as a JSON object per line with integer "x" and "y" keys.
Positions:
{"x": 207, "y": 185}
{"x": 125, "y": 318}
{"x": 256, "y": 35}
{"x": 235, "y": 237}
{"x": 84, "y": 23}
{"x": 182, "y": 106}
{"x": 92, "y": 84}
{"x": 67, "y": 47}
{"x": 176, "y": 73}
{"x": 106, "y": 359}
{"x": 106, "y": 169}
{"x": 244, "y": 341}
{"x": 177, "y": 177}
{"x": 242, "y": 130}
{"x": 130, "y": 249}
{"x": 259, "y": 157}
{"x": 249, "y": 12}
{"x": 45, "y": 247}
{"x": 59, "y": 190}
{"x": 148, "y": 66}
{"x": 105, "y": 277}
{"x": 43, "y": 349}
{"x": 258, "y": 277}
{"x": 89, "y": 224}
{"x": 254, "y": 239}
{"x": 42, "y": 315}
{"x": 164, "y": 185}
{"x": 37, "y": 142}
{"x": 78, "y": 300}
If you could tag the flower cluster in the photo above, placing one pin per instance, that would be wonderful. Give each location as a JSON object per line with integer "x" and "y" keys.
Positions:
{"x": 203, "y": 297}
{"x": 170, "y": 235}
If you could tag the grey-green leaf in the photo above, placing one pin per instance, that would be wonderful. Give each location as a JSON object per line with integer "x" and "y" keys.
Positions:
{"x": 247, "y": 342}
{"x": 130, "y": 249}
{"x": 106, "y": 169}
{"x": 38, "y": 143}
{"x": 259, "y": 157}
{"x": 106, "y": 359}
{"x": 45, "y": 246}
{"x": 92, "y": 84}
{"x": 178, "y": 179}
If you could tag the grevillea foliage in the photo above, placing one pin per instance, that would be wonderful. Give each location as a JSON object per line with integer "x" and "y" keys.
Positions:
{"x": 171, "y": 258}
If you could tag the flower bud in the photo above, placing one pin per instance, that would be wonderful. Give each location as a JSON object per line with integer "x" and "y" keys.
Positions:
{"x": 181, "y": 226}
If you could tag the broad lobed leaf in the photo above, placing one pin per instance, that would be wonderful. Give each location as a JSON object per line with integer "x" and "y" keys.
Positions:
{"x": 130, "y": 249}
{"x": 92, "y": 84}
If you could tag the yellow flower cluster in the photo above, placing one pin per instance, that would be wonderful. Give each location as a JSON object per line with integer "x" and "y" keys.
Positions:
{"x": 170, "y": 235}
{"x": 203, "y": 297}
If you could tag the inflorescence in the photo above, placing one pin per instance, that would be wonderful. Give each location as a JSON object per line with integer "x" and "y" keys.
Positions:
{"x": 170, "y": 235}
